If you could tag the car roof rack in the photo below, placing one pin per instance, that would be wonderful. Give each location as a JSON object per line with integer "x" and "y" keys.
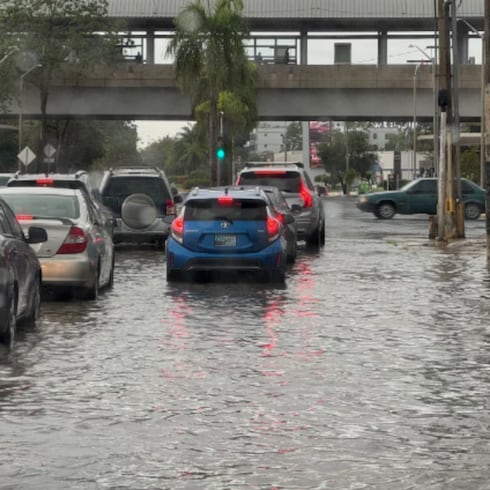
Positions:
{"x": 274, "y": 164}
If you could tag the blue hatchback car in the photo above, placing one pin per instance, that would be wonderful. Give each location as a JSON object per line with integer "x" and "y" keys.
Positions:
{"x": 226, "y": 229}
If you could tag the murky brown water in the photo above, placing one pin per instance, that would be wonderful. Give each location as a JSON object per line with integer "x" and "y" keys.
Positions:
{"x": 370, "y": 369}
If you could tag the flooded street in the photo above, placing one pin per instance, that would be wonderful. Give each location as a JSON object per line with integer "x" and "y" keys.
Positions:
{"x": 370, "y": 369}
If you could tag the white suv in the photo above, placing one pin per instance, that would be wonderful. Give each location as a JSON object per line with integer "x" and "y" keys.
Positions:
{"x": 297, "y": 187}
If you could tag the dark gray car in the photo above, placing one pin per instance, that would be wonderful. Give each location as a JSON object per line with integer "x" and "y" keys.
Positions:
{"x": 295, "y": 184}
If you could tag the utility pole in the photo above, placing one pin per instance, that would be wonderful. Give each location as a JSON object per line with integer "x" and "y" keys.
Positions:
{"x": 486, "y": 38}
{"x": 446, "y": 208}
{"x": 456, "y": 147}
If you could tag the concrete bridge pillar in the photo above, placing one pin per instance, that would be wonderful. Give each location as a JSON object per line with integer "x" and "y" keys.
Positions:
{"x": 150, "y": 47}
{"x": 303, "y": 48}
{"x": 382, "y": 48}
{"x": 462, "y": 43}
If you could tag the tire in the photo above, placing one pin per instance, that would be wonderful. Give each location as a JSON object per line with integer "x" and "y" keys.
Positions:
{"x": 322, "y": 234}
{"x": 385, "y": 210}
{"x": 317, "y": 238}
{"x": 472, "y": 211}
{"x": 291, "y": 257}
{"x": 90, "y": 293}
{"x": 277, "y": 276}
{"x": 173, "y": 275}
{"x": 138, "y": 211}
{"x": 34, "y": 313}
{"x": 8, "y": 337}
{"x": 111, "y": 275}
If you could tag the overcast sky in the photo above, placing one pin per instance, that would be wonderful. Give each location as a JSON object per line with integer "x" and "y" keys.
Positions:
{"x": 320, "y": 51}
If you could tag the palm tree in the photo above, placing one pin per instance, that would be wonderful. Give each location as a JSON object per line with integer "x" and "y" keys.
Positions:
{"x": 191, "y": 149}
{"x": 209, "y": 58}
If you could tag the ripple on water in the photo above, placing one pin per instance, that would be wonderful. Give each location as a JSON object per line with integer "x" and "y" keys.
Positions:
{"x": 369, "y": 369}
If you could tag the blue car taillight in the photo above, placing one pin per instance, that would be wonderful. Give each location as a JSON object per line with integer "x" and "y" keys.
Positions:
{"x": 177, "y": 229}
{"x": 273, "y": 228}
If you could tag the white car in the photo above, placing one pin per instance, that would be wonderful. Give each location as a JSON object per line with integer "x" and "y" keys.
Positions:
{"x": 79, "y": 252}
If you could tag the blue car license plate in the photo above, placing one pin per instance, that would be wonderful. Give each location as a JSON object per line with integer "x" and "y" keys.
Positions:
{"x": 225, "y": 240}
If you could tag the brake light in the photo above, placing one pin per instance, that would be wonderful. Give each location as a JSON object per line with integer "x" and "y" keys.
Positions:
{"x": 24, "y": 217}
{"x": 75, "y": 242}
{"x": 170, "y": 207}
{"x": 44, "y": 182}
{"x": 273, "y": 228}
{"x": 280, "y": 218}
{"x": 306, "y": 195}
{"x": 225, "y": 201}
{"x": 177, "y": 229}
{"x": 269, "y": 172}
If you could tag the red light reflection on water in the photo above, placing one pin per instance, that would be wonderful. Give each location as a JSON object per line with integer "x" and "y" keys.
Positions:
{"x": 177, "y": 329}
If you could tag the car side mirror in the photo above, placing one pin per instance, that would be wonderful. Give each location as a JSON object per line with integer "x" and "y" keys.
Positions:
{"x": 288, "y": 219}
{"x": 177, "y": 198}
{"x": 36, "y": 235}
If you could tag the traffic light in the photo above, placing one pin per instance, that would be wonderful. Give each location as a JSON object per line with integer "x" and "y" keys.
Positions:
{"x": 220, "y": 148}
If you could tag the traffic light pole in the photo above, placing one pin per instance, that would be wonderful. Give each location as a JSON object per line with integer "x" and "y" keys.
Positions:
{"x": 220, "y": 159}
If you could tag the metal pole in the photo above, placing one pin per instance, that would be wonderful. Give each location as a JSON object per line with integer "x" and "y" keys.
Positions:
{"x": 218, "y": 163}
{"x": 435, "y": 118}
{"x": 21, "y": 84}
{"x": 21, "y": 89}
{"x": 414, "y": 144}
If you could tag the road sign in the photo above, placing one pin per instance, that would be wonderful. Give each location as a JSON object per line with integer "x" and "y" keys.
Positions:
{"x": 49, "y": 150}
{"x": 26, "y": 156}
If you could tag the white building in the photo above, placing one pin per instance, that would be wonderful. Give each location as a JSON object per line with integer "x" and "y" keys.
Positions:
{"x": 268, "y": 136}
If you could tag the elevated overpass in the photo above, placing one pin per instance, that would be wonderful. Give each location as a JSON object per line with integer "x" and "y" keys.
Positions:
{"x": 285, "y": 92}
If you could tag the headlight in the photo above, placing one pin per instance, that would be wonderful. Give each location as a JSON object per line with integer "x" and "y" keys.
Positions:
{"x": 362, "y": 200}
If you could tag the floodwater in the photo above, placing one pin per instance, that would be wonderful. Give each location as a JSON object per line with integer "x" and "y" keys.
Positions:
{"x": 370, "y": 369}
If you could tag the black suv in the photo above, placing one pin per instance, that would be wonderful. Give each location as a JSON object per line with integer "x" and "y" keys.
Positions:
{"x": 142, "y": 203}
{"x": 295, "y": 184}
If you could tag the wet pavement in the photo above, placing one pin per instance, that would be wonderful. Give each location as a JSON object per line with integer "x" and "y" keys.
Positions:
{"x": 370, "y": 369}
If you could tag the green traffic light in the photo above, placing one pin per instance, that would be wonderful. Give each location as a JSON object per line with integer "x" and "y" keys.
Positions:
{"x": 220, "y": 153}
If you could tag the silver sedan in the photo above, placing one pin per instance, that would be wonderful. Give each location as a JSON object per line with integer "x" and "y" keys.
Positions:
{"x": 79, "y": 252}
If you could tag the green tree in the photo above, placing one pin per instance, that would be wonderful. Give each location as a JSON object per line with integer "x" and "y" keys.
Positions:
{"x": 342, "y": 156}
{"x": 88, "y": 145}
{"x": 209, "y": 58}
{"x": 192, "y": 150}
{"x": 470, "y": 164}
{"x": 162, "y": 154}
{"x": 52, "y": 34}
{"x": 294, "y": 137}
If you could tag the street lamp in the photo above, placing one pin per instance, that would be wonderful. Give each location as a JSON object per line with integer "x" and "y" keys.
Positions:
{"x": 435, "y": 118}
{"x": 414, "y": 121}
{"x": 21, "y": 89}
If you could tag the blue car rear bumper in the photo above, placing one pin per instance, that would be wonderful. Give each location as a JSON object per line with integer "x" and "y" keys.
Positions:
{"x": 267, "y": 260}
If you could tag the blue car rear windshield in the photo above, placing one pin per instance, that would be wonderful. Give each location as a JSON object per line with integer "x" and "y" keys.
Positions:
{"x": 233, "y": 210}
